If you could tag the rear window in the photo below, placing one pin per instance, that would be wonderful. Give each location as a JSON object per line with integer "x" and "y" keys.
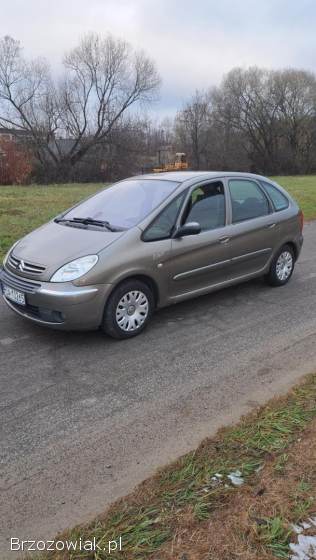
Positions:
{"x": 125, "y": 204}
{"x": 280, "y": 202}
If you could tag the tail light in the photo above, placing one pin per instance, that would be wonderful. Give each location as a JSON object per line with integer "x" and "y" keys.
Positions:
{"x": 301, "y": 220}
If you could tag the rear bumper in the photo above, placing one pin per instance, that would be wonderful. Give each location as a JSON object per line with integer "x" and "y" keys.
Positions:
{"x": 299, "y": 245}
{"x": 60, "y": 306}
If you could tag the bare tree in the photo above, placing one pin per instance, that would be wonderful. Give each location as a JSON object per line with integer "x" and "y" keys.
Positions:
{"x": 248, "y": 102}
{"x": 191, "y": 127}
{"x": 104, "y": 78}
{"x": 273, "y": 111}
{"x": 26, "y": 93}
{"x": 297, "y": 94}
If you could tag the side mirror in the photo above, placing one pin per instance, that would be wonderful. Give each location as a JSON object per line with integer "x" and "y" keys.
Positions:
{"x": 191, "y": 228}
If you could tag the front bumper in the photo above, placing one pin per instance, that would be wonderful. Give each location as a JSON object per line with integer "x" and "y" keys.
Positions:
{"x": 58, "y": 305}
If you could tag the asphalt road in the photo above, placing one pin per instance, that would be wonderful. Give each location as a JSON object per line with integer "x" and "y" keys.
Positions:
{"x": 84, "y": 418}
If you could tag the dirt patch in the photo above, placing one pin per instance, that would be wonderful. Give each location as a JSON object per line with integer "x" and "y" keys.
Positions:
{"x": 256, "y": 524}
{"x": 12, "y": 212}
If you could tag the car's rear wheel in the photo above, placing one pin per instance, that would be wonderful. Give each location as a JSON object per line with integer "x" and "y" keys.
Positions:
{"x": 128, "y": 309}
{"x": 282, "y": 267}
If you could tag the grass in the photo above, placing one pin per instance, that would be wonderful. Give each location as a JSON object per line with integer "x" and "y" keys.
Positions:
{"x": 275, "y": 536}
{"x": 23, "y": 208}
{"x": 303, "y": 189}
{"x": 190, "y": 503}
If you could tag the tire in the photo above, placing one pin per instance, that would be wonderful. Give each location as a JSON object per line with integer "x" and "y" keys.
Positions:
{"x": 128, "y": 309}
{"x": 282, "y": 267}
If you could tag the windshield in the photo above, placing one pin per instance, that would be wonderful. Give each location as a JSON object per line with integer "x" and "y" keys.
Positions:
{"x": 124, "y": 204}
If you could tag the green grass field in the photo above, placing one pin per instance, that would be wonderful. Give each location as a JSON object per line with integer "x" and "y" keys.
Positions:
{"x": 24, "y": 208}
{"x": 303, "y": 189}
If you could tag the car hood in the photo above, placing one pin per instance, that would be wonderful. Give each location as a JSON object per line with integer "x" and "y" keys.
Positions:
{"x": 53, "y": 245}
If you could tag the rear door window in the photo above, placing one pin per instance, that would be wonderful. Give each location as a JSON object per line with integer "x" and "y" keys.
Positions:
{"x": 248, "y": 200}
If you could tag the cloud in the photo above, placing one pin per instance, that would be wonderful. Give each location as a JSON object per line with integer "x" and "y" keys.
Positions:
{"x": 193, "y": 42}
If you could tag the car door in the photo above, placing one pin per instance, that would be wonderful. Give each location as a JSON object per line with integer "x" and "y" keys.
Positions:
{"x": 253, "y": 230}
{"x": 157, "y": 239}
{"x": 199, "y": 262}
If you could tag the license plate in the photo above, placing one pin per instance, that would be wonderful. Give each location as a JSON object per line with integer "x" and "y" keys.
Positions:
{"x": 14, "y": 295}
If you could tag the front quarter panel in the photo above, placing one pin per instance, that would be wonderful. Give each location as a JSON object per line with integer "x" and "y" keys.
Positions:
{"x": 128, "y": 257}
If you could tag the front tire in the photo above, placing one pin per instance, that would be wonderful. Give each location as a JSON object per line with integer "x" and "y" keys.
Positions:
{"x": 282, "y": 267}
{"x": 128, "y": 309}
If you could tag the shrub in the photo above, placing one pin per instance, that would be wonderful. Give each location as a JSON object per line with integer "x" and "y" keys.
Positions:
{"x": 15, "y": 163}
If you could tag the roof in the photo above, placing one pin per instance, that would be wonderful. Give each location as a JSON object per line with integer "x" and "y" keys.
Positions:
{"x": 182, "y": 176}
{"x": 14, "y": 131}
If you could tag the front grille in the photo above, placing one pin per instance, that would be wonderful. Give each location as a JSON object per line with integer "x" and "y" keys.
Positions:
{"x": 23, "y": 266}
{"x": 18, "y": 282}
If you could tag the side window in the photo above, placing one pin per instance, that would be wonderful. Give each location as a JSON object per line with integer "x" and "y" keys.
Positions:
{"x": 248, "y": 200}
{"x": 206, "y": 206}
{"x": 162, "y": 226}
{"x": 280, "y": 202}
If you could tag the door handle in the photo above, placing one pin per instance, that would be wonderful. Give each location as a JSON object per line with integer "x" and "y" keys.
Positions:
{"x": 224, "y": 240}
{"x": 271, "y": 226}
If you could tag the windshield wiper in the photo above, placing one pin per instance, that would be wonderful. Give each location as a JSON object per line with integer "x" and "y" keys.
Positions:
{"x": 89, "y": 221}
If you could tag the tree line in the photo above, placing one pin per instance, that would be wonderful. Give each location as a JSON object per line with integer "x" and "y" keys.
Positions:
{"x": 90, "y": 124}
{"x": 258, "y": 120}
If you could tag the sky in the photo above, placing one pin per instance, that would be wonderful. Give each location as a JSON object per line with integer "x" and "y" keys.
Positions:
{"x": 193, "y": 43}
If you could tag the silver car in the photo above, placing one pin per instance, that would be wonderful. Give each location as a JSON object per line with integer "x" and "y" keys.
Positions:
{"x": 150, "y": 241}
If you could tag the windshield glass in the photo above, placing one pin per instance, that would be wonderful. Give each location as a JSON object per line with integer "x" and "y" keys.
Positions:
{"x": 124, "y": 204}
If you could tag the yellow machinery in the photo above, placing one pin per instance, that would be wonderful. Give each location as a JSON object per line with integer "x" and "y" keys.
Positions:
{"x": 179, "y": 164}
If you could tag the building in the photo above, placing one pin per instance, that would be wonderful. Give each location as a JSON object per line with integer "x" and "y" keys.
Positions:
{"x": 13, "y": 134}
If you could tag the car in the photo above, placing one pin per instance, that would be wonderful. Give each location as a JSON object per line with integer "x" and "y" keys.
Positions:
{"x": 150, "y": 241}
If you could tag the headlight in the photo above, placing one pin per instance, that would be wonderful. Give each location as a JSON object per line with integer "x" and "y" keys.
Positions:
{"x": 8, "y": 253}
{"x": 74, "y": 269}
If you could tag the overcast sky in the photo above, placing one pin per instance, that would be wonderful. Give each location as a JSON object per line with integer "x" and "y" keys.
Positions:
{"x": 194, "y": 42}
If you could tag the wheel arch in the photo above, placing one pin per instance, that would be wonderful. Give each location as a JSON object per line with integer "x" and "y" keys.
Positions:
{"x": 294, "y": 248}
{"x": 148, "y": 280}
{"x": 292, "y": 244}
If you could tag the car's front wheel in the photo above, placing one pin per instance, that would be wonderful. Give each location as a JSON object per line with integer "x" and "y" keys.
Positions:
{"x": 128, "y": 309}
{"x": 282, "y": 267}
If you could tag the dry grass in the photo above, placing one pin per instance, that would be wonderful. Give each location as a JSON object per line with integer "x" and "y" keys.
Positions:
{"x": 256, "y": 523}
{"x": 182, "y": 514}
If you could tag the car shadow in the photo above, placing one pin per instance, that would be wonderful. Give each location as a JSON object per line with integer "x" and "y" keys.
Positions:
{"x": 183, "y": 311}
